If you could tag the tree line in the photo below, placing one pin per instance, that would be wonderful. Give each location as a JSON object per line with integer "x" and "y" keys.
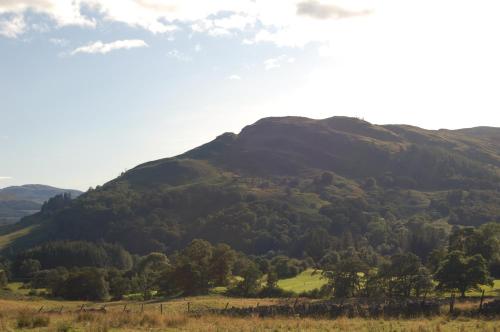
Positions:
{"x": 98, "y": 271}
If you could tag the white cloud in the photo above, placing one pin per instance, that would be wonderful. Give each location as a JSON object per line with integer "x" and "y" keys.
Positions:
{"x": 63, "y": 13}
{"x": 5, "y": 178}
{"x": 12, "y": 27}
{"x": 99, "y": 47}
{"x": 322, "y": 11}
{"x": 234, "y": 78}
{"x": 178, "y": 55}
{"x": 277, "y": 62}
{"x": 283, "y": 22}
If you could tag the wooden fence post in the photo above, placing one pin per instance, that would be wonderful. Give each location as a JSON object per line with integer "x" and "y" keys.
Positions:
{"x": 142, "y": 308}
{"x": 227, "y": 305}
{"x": 452, "y": 302}
{"x": 125, "y": 307}
{"x": 189, "y": 307}
{"x": 161, "y": 308}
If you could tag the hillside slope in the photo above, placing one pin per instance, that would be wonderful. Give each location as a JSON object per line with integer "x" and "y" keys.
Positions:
{"x": 19, "y": 201}
{"x": 292, "y": 185}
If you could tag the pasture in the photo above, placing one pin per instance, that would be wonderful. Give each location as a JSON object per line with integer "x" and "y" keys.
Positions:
{"x": 58, "y": 316}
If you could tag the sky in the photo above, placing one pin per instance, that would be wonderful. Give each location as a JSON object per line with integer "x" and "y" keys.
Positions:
{"x": 91, "y": 88}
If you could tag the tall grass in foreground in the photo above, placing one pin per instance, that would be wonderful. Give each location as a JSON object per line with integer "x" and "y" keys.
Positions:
{"x": 24, "y": 316}
{"x": 120, "y": 321}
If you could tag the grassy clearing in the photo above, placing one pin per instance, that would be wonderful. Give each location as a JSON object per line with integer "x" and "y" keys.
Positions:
{"x": 309, "y": 280}
{"x": 306, "y": 281}
{"x": 7, "y": 239}
{"x": 488, "y": 290}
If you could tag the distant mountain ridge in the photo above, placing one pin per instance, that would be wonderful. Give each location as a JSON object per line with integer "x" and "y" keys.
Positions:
{"x": 281, "y": 178}
{"x": 19, "y": 201}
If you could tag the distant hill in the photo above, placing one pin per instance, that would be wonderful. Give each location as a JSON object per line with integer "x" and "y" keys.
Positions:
{"x": 290, "y": 185}
{"x": 19, "y": 201}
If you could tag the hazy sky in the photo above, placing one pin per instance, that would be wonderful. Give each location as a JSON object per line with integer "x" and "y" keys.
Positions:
{"x": 89, "y": 88}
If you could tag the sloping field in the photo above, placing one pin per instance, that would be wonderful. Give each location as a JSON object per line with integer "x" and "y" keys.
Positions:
{"x": 7, "y": 239}
{"x": 306, "y": 281}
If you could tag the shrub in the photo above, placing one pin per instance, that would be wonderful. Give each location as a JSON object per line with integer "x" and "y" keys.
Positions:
{"x": 28, "y": 320}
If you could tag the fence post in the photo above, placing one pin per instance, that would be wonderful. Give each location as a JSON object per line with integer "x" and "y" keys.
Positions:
{"x": 161, "y": 308}
{"x": 452, "y": 302}
{"x": 125, "y": 307}
{"x": 481, "y": 302}
{"x": 227, "y": 305}
{"x": 40, "y": 310}
{"x": 142, "y": 308}
{"x": 189, "y": 307}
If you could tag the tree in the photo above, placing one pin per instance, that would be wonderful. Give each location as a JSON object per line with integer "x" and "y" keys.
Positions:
{"x": 423, "y": 282}
{"x": 345, "y": 278}
{"x": 149, "y": 270}
{"x": 272, "y": 280}
{"x": 83, "y": 284}
{"x": 250, "y": 284}
{"x": 402, "y": 274}
{"x": 119, "y": 285}
{"x": 29, "y": 267}
{"x": 460, "y": 272}
{"x": 221, "y": 264}
{"x": 50, "y": 279}
{"x": 3, "y": 278}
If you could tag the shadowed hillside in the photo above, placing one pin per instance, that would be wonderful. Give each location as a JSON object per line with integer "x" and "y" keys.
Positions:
{"x": 292, "y": 185}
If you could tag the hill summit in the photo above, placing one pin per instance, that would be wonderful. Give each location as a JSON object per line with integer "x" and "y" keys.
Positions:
{"x": 282, "y": 181}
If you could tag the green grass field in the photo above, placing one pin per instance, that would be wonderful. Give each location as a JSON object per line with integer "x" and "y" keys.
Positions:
{"x": 306, "y": 281}
{"x": 7, "y": 239}
{"x": 310, "y": 279}
{"x": 488, "y": 290}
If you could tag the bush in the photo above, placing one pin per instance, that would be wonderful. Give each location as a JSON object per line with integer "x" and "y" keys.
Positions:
{"x": 27, "y": 320}
{"x": 275, "y": 292}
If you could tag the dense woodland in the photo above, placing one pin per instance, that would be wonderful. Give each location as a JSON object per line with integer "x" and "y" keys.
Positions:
{"x": 381, "y": 211}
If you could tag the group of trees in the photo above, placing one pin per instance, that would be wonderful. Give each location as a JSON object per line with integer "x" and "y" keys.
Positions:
{"x": 87, "y": 271}
{"x": 469, "y": 260}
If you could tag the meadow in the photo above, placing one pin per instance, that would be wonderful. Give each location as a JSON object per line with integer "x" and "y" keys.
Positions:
{"x": 25, "y": 316}
{"x": 29, "y": 313}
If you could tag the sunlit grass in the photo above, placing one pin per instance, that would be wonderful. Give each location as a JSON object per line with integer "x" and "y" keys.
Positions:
{"x": 7, "y": 239}
{"x": 306, "y": 281}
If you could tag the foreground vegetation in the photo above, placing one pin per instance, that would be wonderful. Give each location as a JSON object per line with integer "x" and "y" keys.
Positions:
{"x": 24, "y": 315}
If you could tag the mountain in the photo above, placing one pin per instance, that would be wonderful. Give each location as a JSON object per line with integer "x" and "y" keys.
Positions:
{"x": 293, "y": 185}
{"x": 19, "y": 201}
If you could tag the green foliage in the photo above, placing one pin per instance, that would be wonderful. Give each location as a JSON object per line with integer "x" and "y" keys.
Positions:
{"x": 459, "y": 272}
{"x": 250, "y": 285}
{"x": 345, "y": 277}
{"x": 72, "y": 254}
{"x": 197, "y": 268}
{"x": 83, "y": 284}
{"x": 405, "y": 276}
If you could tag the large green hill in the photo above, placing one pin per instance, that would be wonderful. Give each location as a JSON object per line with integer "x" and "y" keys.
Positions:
{"x": 292, "y": 185}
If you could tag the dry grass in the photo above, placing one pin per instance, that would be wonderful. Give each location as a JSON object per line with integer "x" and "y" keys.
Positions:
{"x": 24, "y": 316}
